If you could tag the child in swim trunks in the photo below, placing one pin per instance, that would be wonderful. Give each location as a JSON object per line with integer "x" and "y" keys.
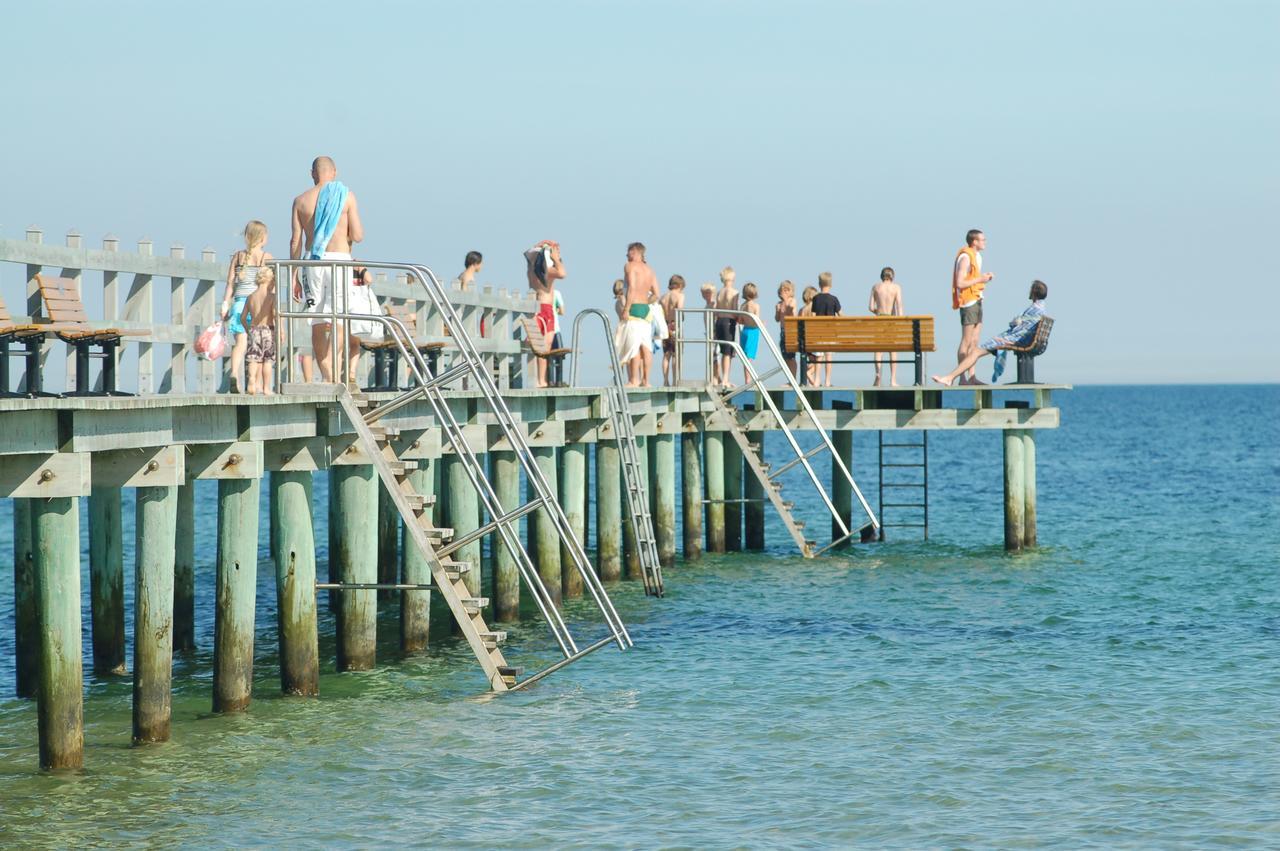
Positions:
{"x": 749, "y": 334}
{"x": 261, "y": 350}
{"x": 241, "y": 283}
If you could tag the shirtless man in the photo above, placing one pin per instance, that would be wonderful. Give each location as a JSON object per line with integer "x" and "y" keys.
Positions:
{"x": 886, "y": 300}
{"x": 642, "y": 291}
{"x": 346, "y": 233}
{"x": 967, "y": 283}
{"x": 671, "y": 302}
{"x": 545, "y": 267}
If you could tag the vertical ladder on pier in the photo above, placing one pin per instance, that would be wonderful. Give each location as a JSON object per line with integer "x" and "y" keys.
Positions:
{"x": 907, "y": 497}
{"x": 636, "y": 495}
{"x": 769, "y": 477}
{"x": 503, "y": 520}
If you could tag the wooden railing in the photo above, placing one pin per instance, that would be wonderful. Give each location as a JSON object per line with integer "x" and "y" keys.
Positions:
{"x": 125, "y": 289}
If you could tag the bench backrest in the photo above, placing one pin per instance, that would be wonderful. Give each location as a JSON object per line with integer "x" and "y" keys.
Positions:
{"x": 533, "y": 335}
{"x": 859, "y": 333}
{"x": 61, "y": 298}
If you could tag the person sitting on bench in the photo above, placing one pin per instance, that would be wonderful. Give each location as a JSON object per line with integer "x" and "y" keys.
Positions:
{"x": 1021, "y": 329}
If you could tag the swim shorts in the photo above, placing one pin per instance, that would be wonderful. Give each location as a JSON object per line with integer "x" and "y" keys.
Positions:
{"x": 971, "y": 314}
{"x": 262, "y": 344}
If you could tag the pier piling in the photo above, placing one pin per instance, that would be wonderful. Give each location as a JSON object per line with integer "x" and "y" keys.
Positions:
{"x": 662, "y": 475}
{"x": 106, "y": 581}
{"x": 691, "y": 481}
{"x": 505, "y": 472}
{"x": 295, "y": 563}
{"x": 60, "y": 700}
{"x": 26, "y": 611}
{"x": 357, "y": 562}
{"x": 184, "y": 571}
{"x": 155, "y": 530}
{"x": 732, "y": 496}
{"x": 236, "y": 593}
{"x": 573, "y": 499}
{"x": 713, "y": 475}
{"x": 1014, "y": 490}
{"x": 546, "y": 543}
{"x": 415, "y": 606}
{"x": 609, "y": 520}
{"x": 753, "y": 493}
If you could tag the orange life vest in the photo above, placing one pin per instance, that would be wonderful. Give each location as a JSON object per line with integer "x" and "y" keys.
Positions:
{"x": 971, "y": 287}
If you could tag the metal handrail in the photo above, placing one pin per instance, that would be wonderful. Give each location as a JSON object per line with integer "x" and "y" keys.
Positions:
{"x": 801, "y": 400}
{"x": 439, "y": 298}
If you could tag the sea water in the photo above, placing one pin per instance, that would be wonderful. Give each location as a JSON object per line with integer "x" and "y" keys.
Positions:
{"x": 1116, "y": 686}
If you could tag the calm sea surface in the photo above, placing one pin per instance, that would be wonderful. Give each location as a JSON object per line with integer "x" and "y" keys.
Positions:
{"x": 1118, "y": 686}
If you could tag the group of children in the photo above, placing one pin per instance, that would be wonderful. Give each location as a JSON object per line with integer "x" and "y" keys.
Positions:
{"x": 728, "y": 304}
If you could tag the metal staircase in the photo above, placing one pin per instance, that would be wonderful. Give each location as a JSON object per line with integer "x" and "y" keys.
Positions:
{"x": 437, "y": 545}
{"x": 637, "y": 498}
{"x": 770, "y": 478}
{"x": 907, "y": 513}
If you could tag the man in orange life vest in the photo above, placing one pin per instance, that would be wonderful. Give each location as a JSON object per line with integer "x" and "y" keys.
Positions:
{"x": 967, "y": 283}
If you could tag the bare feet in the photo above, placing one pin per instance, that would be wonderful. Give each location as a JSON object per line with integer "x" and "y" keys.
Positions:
{"x": 943, "y": 380}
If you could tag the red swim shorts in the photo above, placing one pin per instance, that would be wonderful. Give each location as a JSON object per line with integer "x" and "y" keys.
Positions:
{"x": 546, "y": 319}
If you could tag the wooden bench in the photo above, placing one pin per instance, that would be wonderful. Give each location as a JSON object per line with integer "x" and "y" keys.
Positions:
{"x": 1029, "y": 351}
{"x": 70, "y": 324}
{"x": 912, "y": 334}
{"x": 539, "y": 346}
{"x": 386, "y": 354}
{"x": 32, "y": 338}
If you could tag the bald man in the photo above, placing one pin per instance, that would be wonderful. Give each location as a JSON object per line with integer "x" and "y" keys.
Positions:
{"x": 337, "y": 246}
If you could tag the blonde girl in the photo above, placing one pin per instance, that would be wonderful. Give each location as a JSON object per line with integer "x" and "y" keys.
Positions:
{"x": 242, "y": 281}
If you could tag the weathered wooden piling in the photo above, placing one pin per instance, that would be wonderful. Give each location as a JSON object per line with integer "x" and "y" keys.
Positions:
{"x": 1028, "y": 487}
{"x": 237, "y": 575}
{"x": 388, "y": 543}
{"x": 631, "y": 551}
{"x": 691, "y": 481}
{"x": 753, "y": 493}
{"x": 841, "y": 490}
{"x": 155, "y": 548}
{"x": 184, "y": 571}
{"x": 60, "y": 700}
{"x": 732, "y": 496}
{"x": 415, "y": 606}
{"x": 713, "y": 474}
{"x": 505, "y": 475}
{"x": 546, "y": 542}
{"x": 464, "y": 518}
{"x": 609, "y": 502}
{"x": 26, "y": 611}
{"x": 106, "y": 581}
{"x": 1014, "y": 490}
{"x": 662, "y": 477}
{"x": 573, "y": 499}
{"x": 295, "y": 563}
{"x": 357, "y": 562}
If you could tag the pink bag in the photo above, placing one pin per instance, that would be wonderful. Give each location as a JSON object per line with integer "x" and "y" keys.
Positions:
{"x": 212, "y": 342}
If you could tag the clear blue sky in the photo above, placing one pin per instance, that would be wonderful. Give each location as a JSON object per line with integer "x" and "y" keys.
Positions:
{"x": 1124, "y": 152}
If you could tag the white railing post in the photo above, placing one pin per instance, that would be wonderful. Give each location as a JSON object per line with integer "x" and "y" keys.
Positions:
{"x": 139, "y": 306}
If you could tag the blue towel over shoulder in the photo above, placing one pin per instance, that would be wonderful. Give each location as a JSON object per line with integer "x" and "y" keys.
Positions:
{"x": 333, "y": 197}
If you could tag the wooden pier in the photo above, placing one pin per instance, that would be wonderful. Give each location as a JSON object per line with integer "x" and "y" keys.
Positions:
{"x": 55, "y": 451}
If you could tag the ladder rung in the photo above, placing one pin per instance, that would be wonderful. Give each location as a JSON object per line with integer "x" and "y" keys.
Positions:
{"x": 794, "y": 461}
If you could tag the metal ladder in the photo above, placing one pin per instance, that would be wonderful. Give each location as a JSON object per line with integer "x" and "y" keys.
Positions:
{"x": 448, "y": 575}
{"x": 634, "y": 485}
{"x": 721, "y": 400}
{"x": 921, "y": 487}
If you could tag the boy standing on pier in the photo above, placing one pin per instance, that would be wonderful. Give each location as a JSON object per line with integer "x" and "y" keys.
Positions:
{"x": 671, "y": 302}
{"x": 825, "y": 304}
{"x": 886, "y": 300}
{"x": 967, "y": 283}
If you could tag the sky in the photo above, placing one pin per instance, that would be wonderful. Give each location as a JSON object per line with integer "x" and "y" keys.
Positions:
{"x": 1123, "y": 152}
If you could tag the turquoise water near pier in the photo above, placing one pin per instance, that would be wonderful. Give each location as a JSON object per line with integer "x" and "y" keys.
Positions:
{"x": 1116, "y": 686}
